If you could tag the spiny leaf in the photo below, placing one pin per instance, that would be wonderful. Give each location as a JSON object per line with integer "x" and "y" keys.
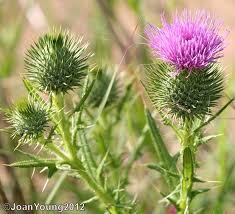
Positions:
{"x": 194, "y": 193}
{"x": 32, "y": 91}
{"x": 176, "y": 157}
{"x": 84, "y": 98}
{"x": 160, "y": 147}
{"x": 51, "y": 170}
{"x": 162, "y": 170}
{"x": 34, "y": 163}
{"x": 214, "y": 116}
{"x": 101, "y": 166}
{"x": 87, "y": 154}
{"x": 106, "y": 96}
{"x": 206, "y": 139}
{"x": 170, "y": 199}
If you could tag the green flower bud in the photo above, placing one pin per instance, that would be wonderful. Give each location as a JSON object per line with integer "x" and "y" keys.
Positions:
{"x": 185, "y": 96}
{"x": 57, "y": 62}
{"x": 101, "y": 85}
{"x": 28, "y": 120}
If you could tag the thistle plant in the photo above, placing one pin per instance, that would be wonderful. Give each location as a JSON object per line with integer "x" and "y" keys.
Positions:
{"x": 184, "y": 85}
{"x": 55, "y": 65}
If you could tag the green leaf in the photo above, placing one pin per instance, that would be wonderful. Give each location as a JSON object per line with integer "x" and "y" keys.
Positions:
{"x": 206, "y": 139}
{"x": 194, "y": 193}
{"x": 160, "y": 148}
{"x": 106, "y": 96}
{"x": 170, "y": 199}
{"x": 90, "y": 163}
{"x": 199, "y": 180}
{"x": 176, "y": 157}
{"x": 214, "y": 116}
{"x": 51, "y": 171}
{"x": 226, "y": 187}
{"x": 33, "y": 92}
{"x": 34, "y": 163}
{"x": 101, "y": 166}
{"x": 84, "y": 98}
{"x": 162, "y": 170}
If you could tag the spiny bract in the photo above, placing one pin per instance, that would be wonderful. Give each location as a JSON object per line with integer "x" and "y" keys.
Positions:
{"x": 183, "y": 96}
{"x": 57, "y": 62}
{"x": 28, "y": 119}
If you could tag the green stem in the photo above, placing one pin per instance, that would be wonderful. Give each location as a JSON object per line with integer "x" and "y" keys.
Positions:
{"x": 100, "y": 192}
{"x": 103, "y": 196}
{"x": 188, "y": 170}
{"x": 57, "y": 151}
{"x": 65, "y": 132}
{"x": 64, "y": 124}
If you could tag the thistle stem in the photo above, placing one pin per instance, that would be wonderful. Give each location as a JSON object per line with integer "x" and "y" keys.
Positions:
{"x": 99, "y": 191}
{"x": 188, "y": 170}
{"x": 63, "y": 124}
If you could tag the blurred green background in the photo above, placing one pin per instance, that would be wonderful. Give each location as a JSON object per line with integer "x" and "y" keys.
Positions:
{"x": 111, "y": 26}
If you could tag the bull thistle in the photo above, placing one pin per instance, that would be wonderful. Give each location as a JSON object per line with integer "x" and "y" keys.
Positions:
{"x": 184, "y": 84}
{"x": 55, "y": 65}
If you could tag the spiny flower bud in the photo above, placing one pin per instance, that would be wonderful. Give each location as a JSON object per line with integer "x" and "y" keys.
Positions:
{"x": 183, "y": 96}
{"x": 101, "y": 85}
{"x": 28, "y": 119}
{"x": 57, "y": 62}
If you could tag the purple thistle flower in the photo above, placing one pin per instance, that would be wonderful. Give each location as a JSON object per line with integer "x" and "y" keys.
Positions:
{"x": 191, "y": 41}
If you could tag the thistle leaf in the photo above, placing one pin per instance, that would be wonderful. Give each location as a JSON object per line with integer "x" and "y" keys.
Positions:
{"x": 34, "y": 163}
{"x": 106, "y": 96}
{"x": 170, "y": 199}
{"x": 101, "y": 166}
{"x": 84, "y": 98}
{"x": 214, "y": 116}
{"x": 162, "y": 170}
{"x": 160, "y": 148}
{"x": 194, "y": 193}
{"x": 32, "y": 91}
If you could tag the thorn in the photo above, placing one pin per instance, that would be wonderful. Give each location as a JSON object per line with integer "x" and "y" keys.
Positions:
{"x": 45, "y": 185}
{"x": 36, "y": 146}
{"x": 44, "y": 169}
{"x": 33, "y": 173}
{"x": 40, "y": 150}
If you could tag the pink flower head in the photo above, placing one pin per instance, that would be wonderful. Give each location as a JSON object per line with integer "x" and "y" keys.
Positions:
{"x": 191, "y": 41}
